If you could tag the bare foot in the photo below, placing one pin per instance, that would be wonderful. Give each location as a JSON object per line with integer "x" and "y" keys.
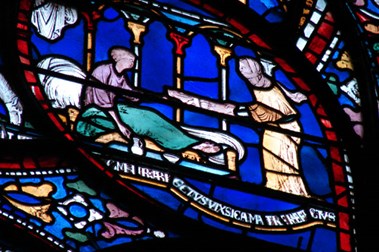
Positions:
{"x": 207, "y": 147}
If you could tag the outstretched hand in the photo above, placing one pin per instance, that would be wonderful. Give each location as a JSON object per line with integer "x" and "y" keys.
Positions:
{"x": 125, "y": 131}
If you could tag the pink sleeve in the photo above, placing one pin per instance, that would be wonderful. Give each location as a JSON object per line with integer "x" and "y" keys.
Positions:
{"x": 101, "y": 73}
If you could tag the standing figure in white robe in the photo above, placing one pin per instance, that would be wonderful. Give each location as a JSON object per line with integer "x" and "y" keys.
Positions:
{"x": 279, "y": 149}
{"x": 11, "y": 101}
{"x": 51, "y": 18}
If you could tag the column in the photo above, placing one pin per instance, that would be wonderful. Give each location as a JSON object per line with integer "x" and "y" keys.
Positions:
{"x": 224, "y": 54}
{"x": 180, "y": 42}
{"x": 137, "y": 31}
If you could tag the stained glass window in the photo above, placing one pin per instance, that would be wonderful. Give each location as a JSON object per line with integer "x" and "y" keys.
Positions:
{"x": 195, "y": 125}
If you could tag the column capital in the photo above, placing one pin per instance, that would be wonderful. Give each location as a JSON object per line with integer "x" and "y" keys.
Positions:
{"x": 180, "y": 41}
{"x": 223, "y": 53}
{"x": 137, "y": 30}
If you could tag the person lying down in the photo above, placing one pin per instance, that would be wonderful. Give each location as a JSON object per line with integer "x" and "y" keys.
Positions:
{"x": 104, "y": 117}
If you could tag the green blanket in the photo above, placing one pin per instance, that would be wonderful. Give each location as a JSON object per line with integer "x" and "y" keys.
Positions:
{"x": 144, "y": 121}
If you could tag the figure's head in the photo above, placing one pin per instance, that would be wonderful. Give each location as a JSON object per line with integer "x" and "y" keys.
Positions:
{"x": 123, "y": 58}
{"x": 249, "y": 68}
{"x": 252, "y": 71}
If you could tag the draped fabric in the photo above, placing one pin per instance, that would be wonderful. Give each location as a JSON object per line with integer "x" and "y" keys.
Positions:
{"x": 235, "y": 125}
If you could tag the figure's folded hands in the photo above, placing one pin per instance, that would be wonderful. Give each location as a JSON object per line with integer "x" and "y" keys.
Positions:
{"x": 262, "y": 113}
